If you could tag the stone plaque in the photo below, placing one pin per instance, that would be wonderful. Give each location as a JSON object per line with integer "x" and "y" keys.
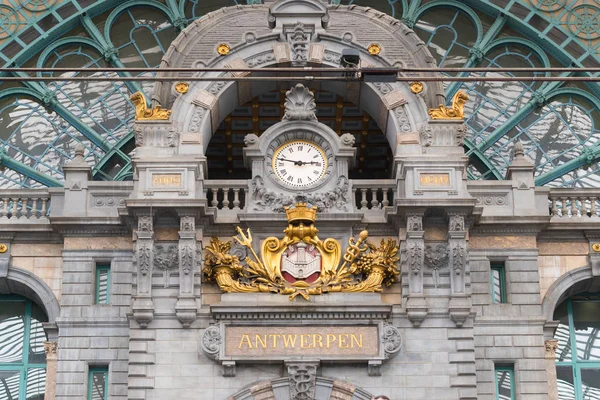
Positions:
{"x": 166, "y": 180}
{"x": 434, "y": 179}
{"x": 307, "y": 341}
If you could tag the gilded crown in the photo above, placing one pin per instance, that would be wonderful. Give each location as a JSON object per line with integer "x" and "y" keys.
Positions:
{"x": 301, "y": 213}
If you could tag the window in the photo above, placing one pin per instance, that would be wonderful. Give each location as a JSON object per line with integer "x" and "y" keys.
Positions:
{"x": 498, "y": 280}
{"x": 22, "y": 355}
{"x": 505, "y": 383}
{"x": 102, "y": 283}
{"x": 98, "y": 383}
{"x": 578, "y": 351}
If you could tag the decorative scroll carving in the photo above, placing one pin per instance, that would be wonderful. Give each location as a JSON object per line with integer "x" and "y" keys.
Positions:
{"x": 455, "y": 112}
{"x": 142, "y": 112}
{"x": 348, "y": 139}
{"x": 211, "y": 341}
{"x": 436, "y": 258}
{"x": 300, "y": 104}
{"x": 391, "y": 340}
{"x": 251, "y": 140}
{"x": 303, "y": 379}
{"x": 299, "y": 41}
{"x": 365, "y": 268}
{"x": 275, "y": 201}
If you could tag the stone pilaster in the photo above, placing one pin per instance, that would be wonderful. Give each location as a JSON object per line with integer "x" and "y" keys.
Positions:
{"x": 460, "y": 304}
{"x": 51, "y": 349}
{"x": 186, "y": 304}
{"x": 143, "y": 307}
{"x": 413, "y": 253}
{"x": 551, "y": 345}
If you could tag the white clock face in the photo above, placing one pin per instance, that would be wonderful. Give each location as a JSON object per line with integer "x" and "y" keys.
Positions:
{"x": 299, "y": 163}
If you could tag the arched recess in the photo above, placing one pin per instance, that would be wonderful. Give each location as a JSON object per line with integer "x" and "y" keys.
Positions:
{"x": 279, "y": 389}
{"x": 25, "y": 283}
{"x": 395, "y": 108}
{"x": 576, "y": 281}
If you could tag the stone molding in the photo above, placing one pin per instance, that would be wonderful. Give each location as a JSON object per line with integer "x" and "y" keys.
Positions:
{"x": 43, "y": 295}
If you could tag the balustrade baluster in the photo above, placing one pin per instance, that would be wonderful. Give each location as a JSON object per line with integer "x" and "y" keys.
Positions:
{"x": 14, "y": 212}
{"x": 215, "y": 193}
{"x": 574, "y": 207}
{"x": 33, "y": 214}
{"x": 554, "y": 209}
{"x": 225, "y": 197}
{"x": 363, "y": 201}
{"x": 4, "y": 208}
{"x": 43, "y": 211}
{"x": 236, "y": 198}
{"x": 386, "y": 197}
{"x": 564, "y": 211}
{"x": 23, "y": 210}
{"x": 593, "y": 212}
{"x": 374, "y": 201}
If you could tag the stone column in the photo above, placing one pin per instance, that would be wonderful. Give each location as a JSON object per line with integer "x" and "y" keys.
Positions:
{"x": 460, "y": 304}
{"x": 51, "y": 349}
{"x": 413, "y": 254}
{"x": 186, "y": 303}
{"x": 143, "y": 307}
{"x": 551, "y": 345}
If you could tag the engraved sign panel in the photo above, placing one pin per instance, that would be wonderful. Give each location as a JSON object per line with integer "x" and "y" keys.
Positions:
{"x": 434, "y": 179}
{"x": 166, "y": 180}
{"x": 309, "y": 341}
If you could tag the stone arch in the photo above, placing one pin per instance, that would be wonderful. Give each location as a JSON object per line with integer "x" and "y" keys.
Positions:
{"x": 279, "y": 389}
{"x": 573, "y": 282}
{"x": 25, "y": 283}
{"x": 261, "y": 41}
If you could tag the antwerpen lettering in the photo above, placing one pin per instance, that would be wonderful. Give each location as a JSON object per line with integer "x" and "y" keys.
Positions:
{"x": 301, "y": 341}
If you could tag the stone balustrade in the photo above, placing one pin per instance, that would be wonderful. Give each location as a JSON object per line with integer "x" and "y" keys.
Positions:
{"x": 24, "y": 204}
{"x": 574, "y": 203}
{"x": 373, "y": 194}
{"x": 225, "y": 195}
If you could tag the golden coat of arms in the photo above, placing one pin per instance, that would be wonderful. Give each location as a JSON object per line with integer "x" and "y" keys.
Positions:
{"x": 302, "y": 264}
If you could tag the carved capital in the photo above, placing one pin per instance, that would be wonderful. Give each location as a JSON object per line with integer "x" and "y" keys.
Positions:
{"x": 551, "y": 345}
{"x": 51, "y": 349}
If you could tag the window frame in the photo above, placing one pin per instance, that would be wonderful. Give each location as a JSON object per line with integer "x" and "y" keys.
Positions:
{"x": 24, "y": 366}
{"x": 505, "y": 368}
{"x": 91, "y": 371}
{"x": 499, "y": 266}
{"x": 99, "y": 267}
{"x": 575, "y": 363}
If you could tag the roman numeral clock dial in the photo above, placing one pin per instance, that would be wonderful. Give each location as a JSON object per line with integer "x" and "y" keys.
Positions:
{"x": 299, "y": 163}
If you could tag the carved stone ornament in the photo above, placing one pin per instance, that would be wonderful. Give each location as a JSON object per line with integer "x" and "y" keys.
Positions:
{"x": 365, "y": 267}
{"x": 303, "y": 380}
{"x": 173, "y": 137}
{"x": 187, "y": 258}
{"x": 461, "y": 133}
{"x": 144, "y": 257}
{"x": 455, "y": 112}
{"x": 142, "y": 112}
{"x": 250, "y": 140}
{"x": 299, "y": 40}
{"x": 300, "y": 104}
{"x": 211, "y": 341}
{"x": 457, "y": 223}
{"x": 459, "y": 256}
{"x": 550, "y": 346}
{"x": 145, "y": 224}
{"x": 412, "y": 254}
{"x": 187, "y": 224}
{"x": 348, "y": 139}
{"x": 414, "y": 223}
{"x": 391, "y": 340}
{"x": 50, "y": 348}
{"x": 436, "y": 258}
{"x": 276, "y": 201}
{"x": 138, "y": 132}
{"x": 166, "y": 257}
{"x": 426, "y": 136}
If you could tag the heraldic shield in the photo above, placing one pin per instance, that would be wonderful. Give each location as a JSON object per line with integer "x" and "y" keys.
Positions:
{"x": 300, "y": 263}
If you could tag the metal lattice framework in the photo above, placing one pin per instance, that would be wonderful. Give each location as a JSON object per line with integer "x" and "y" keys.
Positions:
{"x": 557, "y": 122}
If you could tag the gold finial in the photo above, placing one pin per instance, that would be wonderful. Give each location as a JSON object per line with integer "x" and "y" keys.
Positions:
{"x": 301, "y": 213}
{"x": 374, "y": 49}
{"x": 142, "y": 112}
{"x": 223, "y": 49}
{"x": 182, "y": 87}
{"x": 596, "y": 247}
{"x": 457, "y": 110}
{"x": 416, "y": 87}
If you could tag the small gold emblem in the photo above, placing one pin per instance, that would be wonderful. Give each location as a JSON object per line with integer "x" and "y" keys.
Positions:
{"x": 374, "y": 49}
{"x": 223, "y": 49}
{"x": 182, "y": 87}
{"x": 595, "y": 247}
{"x": 3, "y": 248}
{"x": 416, "y": 87}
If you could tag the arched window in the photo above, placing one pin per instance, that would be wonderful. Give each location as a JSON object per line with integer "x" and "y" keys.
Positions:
{"x": 578, "y": 352}
{"x": 22, "y": 356}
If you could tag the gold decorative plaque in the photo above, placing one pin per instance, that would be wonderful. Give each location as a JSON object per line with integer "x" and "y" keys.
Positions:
{"x": 302, "y": 264}
{"x": 166, "y": 180}
{"x": 434, "y": 179}
{"x": 306, "y": 341}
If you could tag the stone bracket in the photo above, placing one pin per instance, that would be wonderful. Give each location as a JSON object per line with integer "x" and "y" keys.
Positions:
{"x": 303, "y": 378}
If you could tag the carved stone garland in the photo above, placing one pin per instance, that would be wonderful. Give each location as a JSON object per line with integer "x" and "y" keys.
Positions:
{"x": 186, "y": 304}
{"x": 143, "y": 307}
{"x": 412, "y": 260}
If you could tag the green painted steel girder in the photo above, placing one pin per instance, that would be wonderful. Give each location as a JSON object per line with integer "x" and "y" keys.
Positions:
{"x": 9, "y": 162}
